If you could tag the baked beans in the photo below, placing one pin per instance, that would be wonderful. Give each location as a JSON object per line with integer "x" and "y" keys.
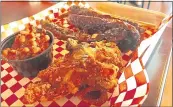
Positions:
{"x": 27, "y": 43}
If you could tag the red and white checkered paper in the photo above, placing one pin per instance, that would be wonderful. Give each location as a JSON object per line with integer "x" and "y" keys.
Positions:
{"x": 133, "y": 83}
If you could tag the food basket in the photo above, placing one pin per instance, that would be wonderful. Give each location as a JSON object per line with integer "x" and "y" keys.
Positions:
{"x": 133, "y": 82}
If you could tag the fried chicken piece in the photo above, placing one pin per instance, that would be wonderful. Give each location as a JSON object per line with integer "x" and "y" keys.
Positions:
{"x": 43, "y": 91}
{"x": 85, "y": 64}
{"x": 36, "y": 92}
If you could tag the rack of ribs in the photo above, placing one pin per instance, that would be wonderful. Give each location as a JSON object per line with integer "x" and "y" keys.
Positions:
{"x": 126, "y": 34}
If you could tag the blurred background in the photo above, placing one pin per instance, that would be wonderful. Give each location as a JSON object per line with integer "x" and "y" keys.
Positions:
{"x": 161, "y": 6}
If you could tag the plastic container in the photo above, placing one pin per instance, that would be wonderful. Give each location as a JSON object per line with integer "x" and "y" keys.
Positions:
{"x": 31, "y": 66}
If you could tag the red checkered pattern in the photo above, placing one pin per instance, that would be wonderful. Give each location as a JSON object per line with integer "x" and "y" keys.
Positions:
{"x": 133, "y": 83}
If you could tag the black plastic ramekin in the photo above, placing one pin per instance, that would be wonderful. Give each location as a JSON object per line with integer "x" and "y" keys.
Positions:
{"x": 31, "y": 66}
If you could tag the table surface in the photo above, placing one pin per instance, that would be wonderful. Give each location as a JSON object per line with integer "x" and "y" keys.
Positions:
{"x": 156, "y": 66}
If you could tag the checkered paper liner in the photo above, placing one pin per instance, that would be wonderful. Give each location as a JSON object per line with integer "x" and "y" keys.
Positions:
{"x": 132, "y": 88}
{"x": 133, "y": 83}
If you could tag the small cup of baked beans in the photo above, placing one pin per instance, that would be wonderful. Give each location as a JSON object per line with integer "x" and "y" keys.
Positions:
{"x": 28, "y": 51}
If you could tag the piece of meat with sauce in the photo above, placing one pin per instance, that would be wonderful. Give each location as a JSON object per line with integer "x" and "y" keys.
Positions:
{"x": 117, "y": 35}
{"x": 65, "y": 33}
{"x": 123, "y": 34}
{"x": 126, "y": 34}
{"x": 88, "y": 12}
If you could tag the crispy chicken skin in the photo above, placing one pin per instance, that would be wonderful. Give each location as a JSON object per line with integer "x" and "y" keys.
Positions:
{"x": 88, "y": 71}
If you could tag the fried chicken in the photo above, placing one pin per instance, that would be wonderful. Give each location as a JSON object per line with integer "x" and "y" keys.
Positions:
{"x": 87, "y": 70}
